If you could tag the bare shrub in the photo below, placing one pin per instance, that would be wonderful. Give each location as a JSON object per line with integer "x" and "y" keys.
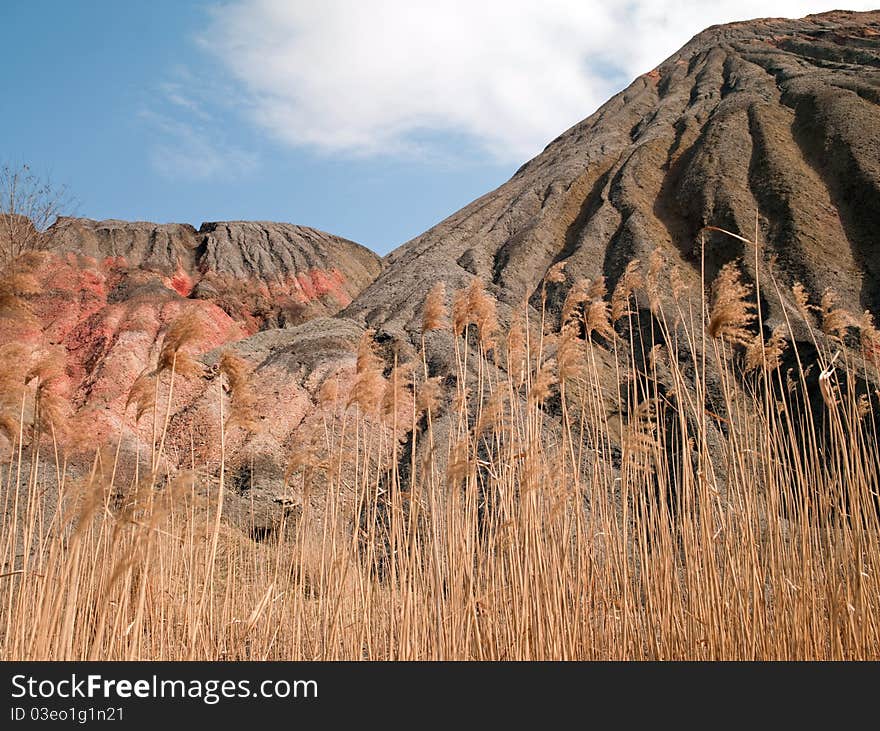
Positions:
{"x": 29, "y": 205}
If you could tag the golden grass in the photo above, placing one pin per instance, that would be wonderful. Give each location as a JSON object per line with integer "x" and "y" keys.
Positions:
{"x": 603, "y": 495}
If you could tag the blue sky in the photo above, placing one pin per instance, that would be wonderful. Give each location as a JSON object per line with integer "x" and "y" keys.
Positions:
{"x": 371, "y": 120}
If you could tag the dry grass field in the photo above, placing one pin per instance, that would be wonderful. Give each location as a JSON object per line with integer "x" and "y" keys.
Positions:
{"x": 718, "y": 500}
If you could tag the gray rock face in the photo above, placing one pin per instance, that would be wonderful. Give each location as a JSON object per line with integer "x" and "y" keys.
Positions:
{"x": 317, "y": 273}
{"x": 266, "y": 274}
{"x": 159, "y": 247}
{"x": 775, "y": 117}
{"x": 276, "y": 250}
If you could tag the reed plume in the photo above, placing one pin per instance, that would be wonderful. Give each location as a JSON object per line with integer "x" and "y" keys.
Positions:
{"x": 142, "y": 394}
{"x": 775, "y": 349}
{"x": 639, "y": 436}
{"x": 482, "y": 312}
{"x": 869, "y": 337}
{"x": 629, "y": 282}
{"x": 556, "y": 273}
{"x": 328, "y": 393}
{"x": 492, "y": 415}
{"x": 306, "y": 456}
{"x": 598, "y": 289}
{"x": 460, "y": 318}
{"x": 15, "y": 359}
{"x": 766, "y": 355}
{"x": 577, "y": 295}
{"x": 542, "y": 385}
{"x": 243, "y": 408}
{"x": 428, "y": 395}
{"x": 598, "y": 320}
{"x": 184, "y": 332}
{"x": 802, "y": 302}
{"x": 677, "y": 283}
{"x": 434, "y": 314}
{"x": 835, "y": 320}
{"x": 658, "y": 357}
{"x": 9, "y": 425}
{"x": 732, "y": 314}
{"x": 397, "y": 388}
{"x": 15, "y": 288}
{"x": 369, "y": 385}
{"x": 49, "y": 372}
{"x": 571, "y": 352}
{"x": 653, "y": 285}
{"x": 50, "y": 365}
{"x": 459, "y": 465}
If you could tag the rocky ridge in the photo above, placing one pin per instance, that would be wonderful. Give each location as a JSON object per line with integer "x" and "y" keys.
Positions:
{"x": 776, "y": 118}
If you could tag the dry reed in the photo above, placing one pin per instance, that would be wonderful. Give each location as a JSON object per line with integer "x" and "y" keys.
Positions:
{"x": 453, "y": 516}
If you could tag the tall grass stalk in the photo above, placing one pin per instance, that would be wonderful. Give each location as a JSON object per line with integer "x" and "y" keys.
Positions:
{"x": 653, "y": 497}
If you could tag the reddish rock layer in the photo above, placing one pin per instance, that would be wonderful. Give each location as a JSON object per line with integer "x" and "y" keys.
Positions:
{"x": 103, "y": 300}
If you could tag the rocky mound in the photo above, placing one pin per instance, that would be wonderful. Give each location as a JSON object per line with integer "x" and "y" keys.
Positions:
{"x": 775, "y": 118}
{"x": 262, "y": 274}
{"x": 96, "y": 311}
{"x": 769, "y": 127}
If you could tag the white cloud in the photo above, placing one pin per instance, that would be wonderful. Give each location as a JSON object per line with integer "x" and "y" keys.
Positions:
{"x": 379, "y": 77}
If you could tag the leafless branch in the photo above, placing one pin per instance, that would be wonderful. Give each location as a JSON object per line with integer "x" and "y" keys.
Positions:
{"x": 29, "y": 205}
